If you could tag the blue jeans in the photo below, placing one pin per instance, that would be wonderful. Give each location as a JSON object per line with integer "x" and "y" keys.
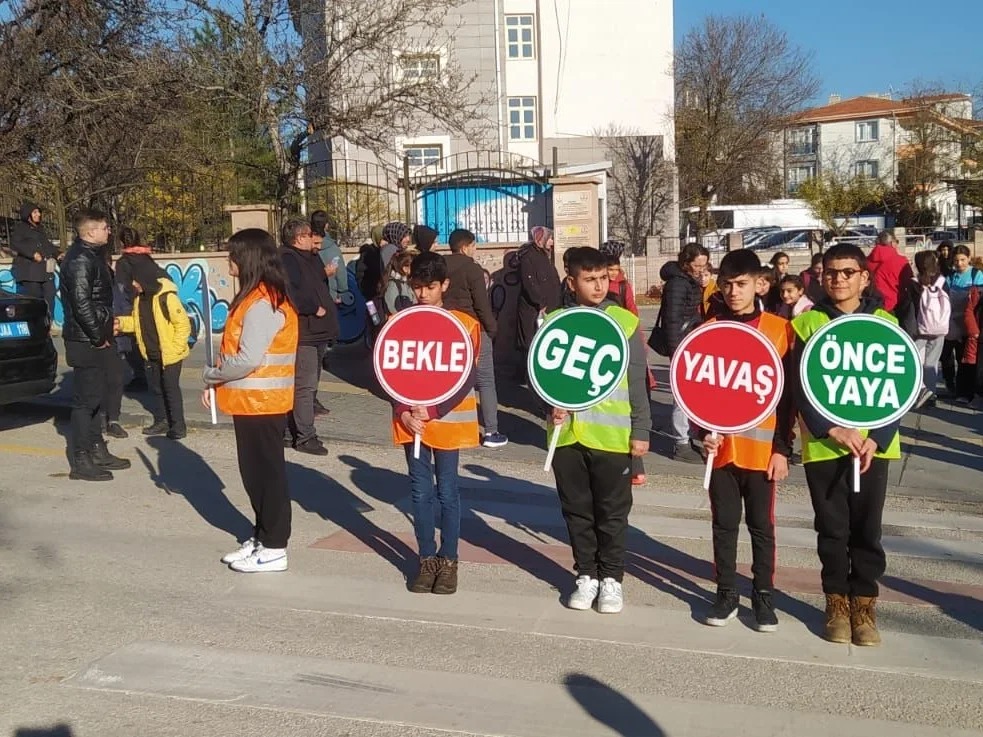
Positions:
{"x": 429, "y": 499}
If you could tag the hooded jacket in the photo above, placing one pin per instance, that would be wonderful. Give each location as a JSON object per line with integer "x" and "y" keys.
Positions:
{"x": 682, "y": 298}
{"x": 467, "y": 292}
{"x": 539, "y": 290}
{"x": 890, "y": 274}
{"x": 26, "y": 240}
{"x": 172, "y": 334}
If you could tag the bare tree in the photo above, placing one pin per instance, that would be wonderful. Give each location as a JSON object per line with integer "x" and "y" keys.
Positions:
{"x": 738, "y": 79}
{"x": 346, "y": 68}
{"x": 640, "y": 186}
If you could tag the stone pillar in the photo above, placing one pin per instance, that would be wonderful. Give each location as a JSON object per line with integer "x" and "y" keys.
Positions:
{"x": 261, "y": 216}
{"x": 576, "y": 220}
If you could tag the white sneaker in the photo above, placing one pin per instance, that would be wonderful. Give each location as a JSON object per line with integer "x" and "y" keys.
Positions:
{"x": 583, "y": 598}
{"x": 611, "y": 599}
{"x": 244, "y": 551}
{"x": 263, "y": 560}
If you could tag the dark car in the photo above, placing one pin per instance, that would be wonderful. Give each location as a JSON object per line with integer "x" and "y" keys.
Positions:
{"x": 28, "y": 360}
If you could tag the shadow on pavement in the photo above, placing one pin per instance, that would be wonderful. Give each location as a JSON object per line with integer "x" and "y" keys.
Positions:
{"x": 392, "y": 487}
{"x": 317, "y": 493}
{"x": 353, "y": 365}
{"x": 962, "y": 608}
{"x": 610, "y": 707}
{"x": 58, "y": 730}
{"x": 182, "y": 471}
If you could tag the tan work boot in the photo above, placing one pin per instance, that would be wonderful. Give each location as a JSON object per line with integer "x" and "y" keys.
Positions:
{"x": 446, "y": 582}
{"x": 423, "y": 583}
{"x": 863, "y": 621}
{"x": 837, "y": 619}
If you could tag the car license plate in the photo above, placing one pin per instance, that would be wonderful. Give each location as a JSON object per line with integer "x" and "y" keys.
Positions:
{"x": 14, "y": 330}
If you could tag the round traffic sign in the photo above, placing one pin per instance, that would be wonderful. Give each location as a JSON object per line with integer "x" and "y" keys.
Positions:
{"x": 577, "y": 358}
{"x": 423, "y": 356}
{"x": 861, "y": 371}
{"x": 726, "y": 377}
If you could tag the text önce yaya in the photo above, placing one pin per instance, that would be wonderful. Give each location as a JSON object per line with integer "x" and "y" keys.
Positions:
{"x": 862, "y": 391}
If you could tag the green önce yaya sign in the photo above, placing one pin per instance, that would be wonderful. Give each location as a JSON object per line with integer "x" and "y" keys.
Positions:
{"x": 577, "y": 358}
{"x": 862, "y": 372}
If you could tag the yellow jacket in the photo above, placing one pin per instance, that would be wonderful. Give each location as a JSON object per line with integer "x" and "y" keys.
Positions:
{"x": 173, "y": 334}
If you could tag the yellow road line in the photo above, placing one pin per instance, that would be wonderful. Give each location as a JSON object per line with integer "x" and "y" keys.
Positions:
{"x": 30, "y": 450}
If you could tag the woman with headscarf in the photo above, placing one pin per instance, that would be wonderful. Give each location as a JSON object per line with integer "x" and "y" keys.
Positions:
{"x": 397, "y": 236}
{"x": 540, "y": 290}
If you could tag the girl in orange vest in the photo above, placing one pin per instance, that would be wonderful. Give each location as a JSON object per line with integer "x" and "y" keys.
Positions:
{"x": 254, "y": 382}
{"x": 444, "y": 431}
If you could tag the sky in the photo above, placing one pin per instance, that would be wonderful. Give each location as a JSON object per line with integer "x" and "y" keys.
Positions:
{"x": 869, "y": 46}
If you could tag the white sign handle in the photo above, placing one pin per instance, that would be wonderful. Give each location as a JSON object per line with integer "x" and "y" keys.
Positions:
{"x": 211, "y": 404}
{"x": 709, "y": 468}
{"x": 552, "y": 449}
{"x": 416, "y": 446}
{"x": 856, "y": 474}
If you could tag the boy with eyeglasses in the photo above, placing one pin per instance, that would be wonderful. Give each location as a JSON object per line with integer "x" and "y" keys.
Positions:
{"x": 848, "y": 524}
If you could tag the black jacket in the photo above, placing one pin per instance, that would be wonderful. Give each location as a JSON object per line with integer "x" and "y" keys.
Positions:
{"x": 682, "y": 299}
{"x": 307, "y": 288}
{"x": 539, "y": 290}
{"x": 467, "y": 291}
{"x": 87, "y": 295}
{"x": 25, "y": 241}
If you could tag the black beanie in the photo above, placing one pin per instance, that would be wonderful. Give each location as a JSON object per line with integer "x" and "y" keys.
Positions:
{"x": 424, "y": 238}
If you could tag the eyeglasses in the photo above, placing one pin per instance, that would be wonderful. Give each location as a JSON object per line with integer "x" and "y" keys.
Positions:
{"x": 847, "y": 274}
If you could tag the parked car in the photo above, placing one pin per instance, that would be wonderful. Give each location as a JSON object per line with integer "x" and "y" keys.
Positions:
{"x": 784, "y": 240}
{"x": 937, "y": 236}
{"x": 852, "y": 235}
{"x": 28, "y": 359}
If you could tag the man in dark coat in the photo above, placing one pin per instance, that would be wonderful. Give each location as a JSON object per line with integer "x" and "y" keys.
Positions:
{"x": 35, "y": 257}
{"x": 540, "y": 291}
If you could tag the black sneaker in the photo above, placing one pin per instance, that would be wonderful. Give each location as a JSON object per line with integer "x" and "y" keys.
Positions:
{"x": 320, "y": 410}
{"x": 724, "y": 608}
{"x": 688, "y": 454}
{"x": 765, "y": 619}
{"x": 795, "y": 458}
{"x": 312, "y": 447}
{"x": 115, "y": 430}
{"x": 177, "y": 433}
{"x": 158, "y": 428}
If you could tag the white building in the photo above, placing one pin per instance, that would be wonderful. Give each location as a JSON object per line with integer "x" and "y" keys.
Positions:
{"x": 873, "y": 136}
{"x": 557, "y": 71}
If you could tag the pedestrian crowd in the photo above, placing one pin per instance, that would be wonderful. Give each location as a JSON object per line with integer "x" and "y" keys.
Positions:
{"x": 284, "y": 317}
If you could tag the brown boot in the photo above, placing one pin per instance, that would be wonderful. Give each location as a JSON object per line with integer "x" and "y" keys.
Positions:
{"x": 423, "y": 583}
{"x": 863, "y": 620}
{"x": 837, "y": 619}
{"x": 446, "y": 582}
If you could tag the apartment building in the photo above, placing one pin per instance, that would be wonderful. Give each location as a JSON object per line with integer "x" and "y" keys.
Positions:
{"x": 556, "y": 72}
{"x": 874, "y": 137}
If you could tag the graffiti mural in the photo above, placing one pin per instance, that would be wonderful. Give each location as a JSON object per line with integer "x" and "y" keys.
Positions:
{"x": 186, "y": 274}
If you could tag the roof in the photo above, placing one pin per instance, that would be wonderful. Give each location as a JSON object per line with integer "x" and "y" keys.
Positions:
{"x": 944, "y": 97}
{"x": 855, "y": 107}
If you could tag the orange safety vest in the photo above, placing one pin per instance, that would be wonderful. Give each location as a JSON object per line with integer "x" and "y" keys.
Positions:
{"x": 458, "y": 429}
{"x": 269, "y": 390}
{"x": 752, "y": 449}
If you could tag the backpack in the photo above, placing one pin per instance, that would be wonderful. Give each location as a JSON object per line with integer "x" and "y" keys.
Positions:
{"x": 621, "y": 296}
{"x": 193, "y": 336}
{"x": 658, "y": 340}
{"x": 933, "y": 312}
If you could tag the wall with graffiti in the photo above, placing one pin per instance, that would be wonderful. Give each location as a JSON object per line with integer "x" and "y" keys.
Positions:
{"x": 187, "y": 272}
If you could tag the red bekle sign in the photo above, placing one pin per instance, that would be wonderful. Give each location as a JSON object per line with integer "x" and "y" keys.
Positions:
{"x": 423, "y": 356}
{"x": 726, "y": 377}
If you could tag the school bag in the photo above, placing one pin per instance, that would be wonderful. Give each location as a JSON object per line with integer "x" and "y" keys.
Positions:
{"x": 934, "y": 311}
{"x": 193, "y": 336}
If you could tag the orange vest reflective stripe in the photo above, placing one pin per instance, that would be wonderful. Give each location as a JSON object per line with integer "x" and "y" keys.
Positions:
{"x": 752, "y": 449}
{"x": 269, "y": 390}
{"x": 458, "y": 429}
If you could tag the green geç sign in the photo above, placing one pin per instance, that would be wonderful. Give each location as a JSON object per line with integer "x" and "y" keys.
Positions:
{"x": 577, "y": 358}
{"x": 861, "y": 372}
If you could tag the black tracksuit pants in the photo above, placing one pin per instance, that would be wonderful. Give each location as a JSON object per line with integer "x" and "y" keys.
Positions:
{"x": 165, "y": 383}
{"x": 731, "y": 486}
{"x": 259, "y": 446}
{"x": 595, "y": 495}
{"x": 848, "y": 524}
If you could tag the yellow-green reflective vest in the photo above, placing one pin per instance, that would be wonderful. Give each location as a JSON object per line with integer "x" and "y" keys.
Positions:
{"x": 606, "y": 425}
{"x": 816, "y": 449}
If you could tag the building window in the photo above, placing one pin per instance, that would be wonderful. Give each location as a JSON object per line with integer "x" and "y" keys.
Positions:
{"x": 867, "y": 131}
{"x": 419, "y": 67}
{"x": 802, "y": 141}
{"x": 799, "y": 174}
{"x": 522, "y": 118}
{"x": 867, "y": 169}
{"x": 421, "y": 156}
{"x": 519, "y": 34}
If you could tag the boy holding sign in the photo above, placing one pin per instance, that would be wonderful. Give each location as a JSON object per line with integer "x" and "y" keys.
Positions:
{"x": 594, "y": 447}
{"x": 444, "y": 430}
{"x": 747, "y": 465}
{"x": 848, "y": 522}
